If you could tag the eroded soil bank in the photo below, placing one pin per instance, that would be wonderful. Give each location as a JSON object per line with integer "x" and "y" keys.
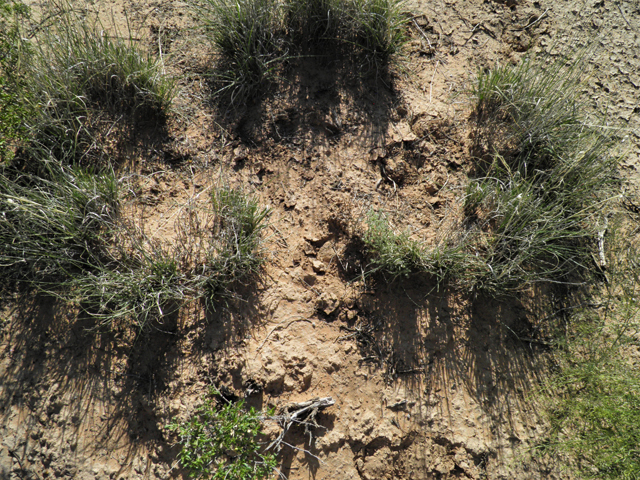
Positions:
{"x": 427, "y": 383}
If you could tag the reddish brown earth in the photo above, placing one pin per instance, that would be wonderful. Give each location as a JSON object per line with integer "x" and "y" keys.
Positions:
{"x": 427, "y": 384}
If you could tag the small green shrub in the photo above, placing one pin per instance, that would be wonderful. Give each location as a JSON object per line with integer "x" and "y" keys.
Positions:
{"x": 223, "y": 442}
{"x": 592, "y": 400}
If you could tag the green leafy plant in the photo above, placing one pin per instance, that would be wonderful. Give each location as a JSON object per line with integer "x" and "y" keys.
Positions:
{"x": 223, "y": 442}
{"x": 592, "y": 400}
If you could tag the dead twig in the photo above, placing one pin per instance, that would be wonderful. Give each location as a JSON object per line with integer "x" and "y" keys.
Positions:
{"x": 624, "y": 18}
{"x": 280, "y": 327}
{"x": 303, "y": 413}
{"x": 424, "y": 35}
{"x": 432, "y": 78}
{"x": 531, "y": 24}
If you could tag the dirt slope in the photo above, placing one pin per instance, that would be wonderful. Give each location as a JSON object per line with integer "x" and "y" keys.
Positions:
{"x": 427, "y": 384}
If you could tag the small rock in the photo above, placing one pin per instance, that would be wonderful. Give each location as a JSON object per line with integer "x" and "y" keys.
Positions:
{"x": 239, "y": 154}
{"x": 431, "y": 188}
{"x": 290, "y": 202}
{"x": 318, "y": 267}
{"x": 435, "y": 201}
{"x": 333, "y": 364}
{"x": 326, "y": 253}
{"x": 375, "y": 466}
{"x": 328, "y": 303}
{"x": 310, "y": 279}
{"x": 331, "y": 441}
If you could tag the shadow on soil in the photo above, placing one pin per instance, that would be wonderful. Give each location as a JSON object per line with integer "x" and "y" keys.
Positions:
{"x": 60, "y": 371}
{"x": 317, "y": 98}
{"x": 101, "y": 386}
{"x": 445, "y": 343}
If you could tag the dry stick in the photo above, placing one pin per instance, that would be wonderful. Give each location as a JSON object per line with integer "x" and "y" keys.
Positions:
{"x": 432, "y": 78}
{"x": 625, "y": 18}
{"x": 279, "y": 327}
{"x": 303, "y": 450}
{"x": 15, "y": 455}
{"x": 423, "y": 34}
{"x": 535, "y": 21}
{"x": 309, "y": 407}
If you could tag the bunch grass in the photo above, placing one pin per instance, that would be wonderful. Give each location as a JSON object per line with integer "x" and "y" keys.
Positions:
{"x": 62, "y": 233}
{"x": 397, "y": 254}
{"x": 256, "y": 37}
{"x": 80, "y": 80}
{"x": 532, "y": 113}
{"x": 13, "y": 106}
{"x": 247, "y": 34}
{"x": 53, "y": 228}
{"x": 542, "y": 197}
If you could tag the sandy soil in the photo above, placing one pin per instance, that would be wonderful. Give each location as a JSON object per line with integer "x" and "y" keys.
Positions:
{"x": 427, "y": 385}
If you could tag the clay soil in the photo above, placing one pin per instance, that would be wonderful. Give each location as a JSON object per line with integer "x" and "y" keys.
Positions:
{"x": 427, "y": 383}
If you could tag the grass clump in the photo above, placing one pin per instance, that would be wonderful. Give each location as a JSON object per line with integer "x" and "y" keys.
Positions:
{"x": 378, "y": 27}
{"x": 222, "y": 441}
{"x": 542, "y": 227}
{"x": 255, "y": 37}
{"x": 237, "y": 251}
{"x": 247, "y": 34}
{"x": 542, "y": 197}
{"x": 372, "y": 27}
{"x": 13, "y": 107}
{"x": 398, "y": 255}
{"x": 63, "y": 233}
{"x": 55, "y": 227}
{"x": 395, "y": 254}
{"x": 532, "y": 114}
{"x": 140, "y": 284}
{"x": 78, "y": 81}
{"x": 545, "y": 197}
